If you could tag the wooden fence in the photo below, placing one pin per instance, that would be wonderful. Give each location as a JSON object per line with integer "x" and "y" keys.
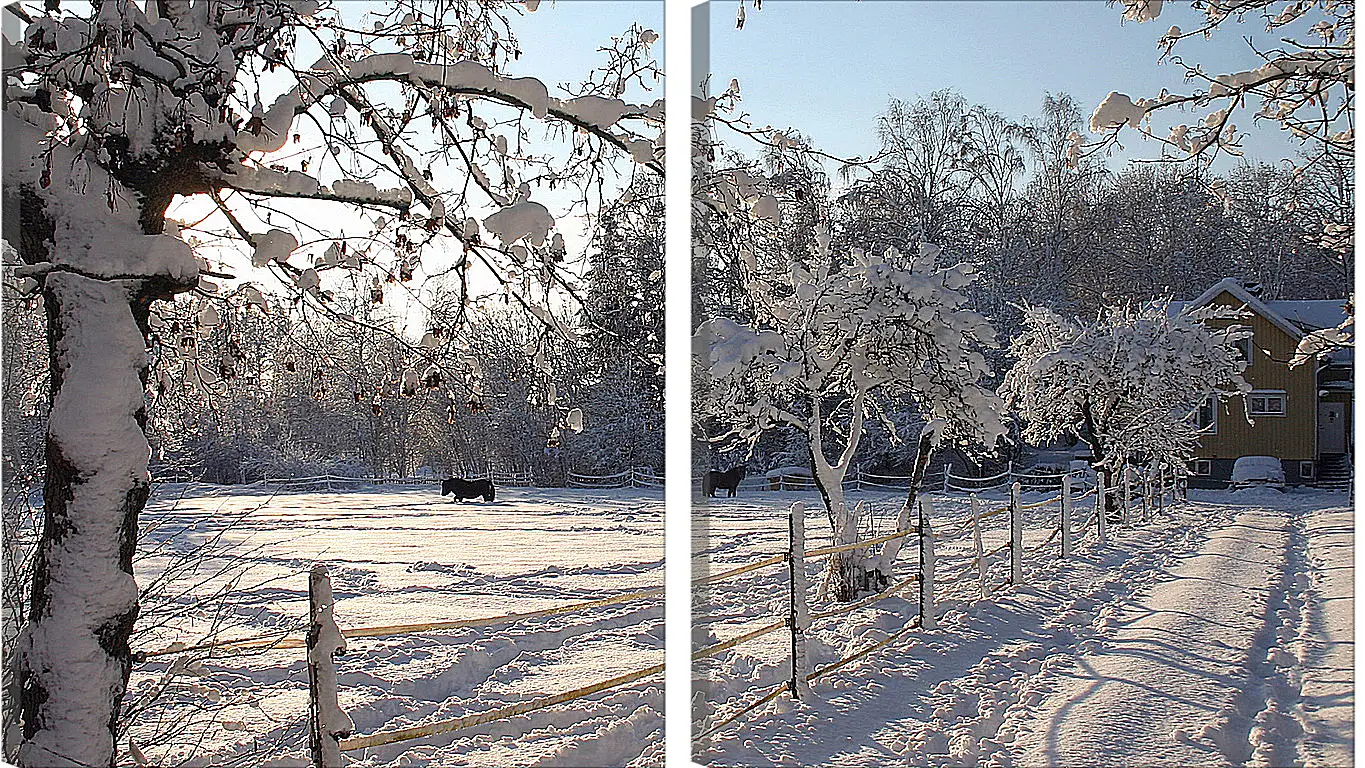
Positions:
{"x": 942, "y": 480}
{"x": 637, "y": 477}
{"x": 1139, "y": 493}
{"x": 329, "y": 726}
{"x": 1137, "y": 496}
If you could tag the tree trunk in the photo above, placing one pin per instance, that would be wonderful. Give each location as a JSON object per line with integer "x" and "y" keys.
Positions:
{"x": 1098, "y": 457}
{"x": 847, "y": 571}
{"x": 74, "y": 658}
{"x": 923, "y": 452}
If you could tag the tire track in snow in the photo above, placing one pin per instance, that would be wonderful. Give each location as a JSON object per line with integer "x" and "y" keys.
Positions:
{"x": 1175, "y": 684}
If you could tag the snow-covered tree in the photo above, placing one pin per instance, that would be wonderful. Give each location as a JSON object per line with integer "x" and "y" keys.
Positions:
{"x": 835, "y": 339}
{"x": 400, "y": 134}
{"x": 1129, "y": 383}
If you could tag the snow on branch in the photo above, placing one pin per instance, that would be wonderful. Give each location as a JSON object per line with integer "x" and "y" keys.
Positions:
{"x": 1307, "y": 86}
{"x": 1327, "y": 340}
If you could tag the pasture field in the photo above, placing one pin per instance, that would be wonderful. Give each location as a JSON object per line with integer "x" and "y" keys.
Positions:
{"x": 218, "y": 563}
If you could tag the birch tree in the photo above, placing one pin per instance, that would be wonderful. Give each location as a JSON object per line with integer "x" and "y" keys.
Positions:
{"x": 399, "y": 129}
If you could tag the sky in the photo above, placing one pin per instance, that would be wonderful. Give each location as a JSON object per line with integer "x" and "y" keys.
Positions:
{"x": 564, "y": 35}
{"x": 828, "y": 67}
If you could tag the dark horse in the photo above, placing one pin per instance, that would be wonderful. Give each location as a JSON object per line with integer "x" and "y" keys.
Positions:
{"x": 467, "y": 489}
{"x": 729, "y": 480}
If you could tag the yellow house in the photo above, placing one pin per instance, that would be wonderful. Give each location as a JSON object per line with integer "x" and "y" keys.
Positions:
{"x": 1300, "y": 415}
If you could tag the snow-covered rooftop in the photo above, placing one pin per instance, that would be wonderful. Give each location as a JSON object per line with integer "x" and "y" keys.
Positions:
{"x": 1295, "y": 316}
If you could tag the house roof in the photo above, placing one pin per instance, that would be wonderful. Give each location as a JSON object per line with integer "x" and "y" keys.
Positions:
{"x": 1311, "y": 315}
{"x": 1295, "y": 317}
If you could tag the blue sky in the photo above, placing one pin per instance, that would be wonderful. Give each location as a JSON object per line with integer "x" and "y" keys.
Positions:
{"x": 827, "y": 67}
{"x": 562, "y": 37}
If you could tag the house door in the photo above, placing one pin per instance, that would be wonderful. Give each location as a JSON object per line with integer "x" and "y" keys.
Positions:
{"x": 1331, "y": 428}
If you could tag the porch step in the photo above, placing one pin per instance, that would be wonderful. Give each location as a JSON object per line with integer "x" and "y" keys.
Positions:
{"x": 1334, "y": 471}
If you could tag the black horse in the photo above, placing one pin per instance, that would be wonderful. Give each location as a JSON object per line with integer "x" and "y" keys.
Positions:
{"x": 467, "y": 489}
{"x": 729, "y": 480}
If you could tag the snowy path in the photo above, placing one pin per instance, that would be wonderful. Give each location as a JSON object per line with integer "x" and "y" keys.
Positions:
{"x": 1213, "y": 636}
{"x": 1163, "y": 689}
{"x": 1244, "y": 656}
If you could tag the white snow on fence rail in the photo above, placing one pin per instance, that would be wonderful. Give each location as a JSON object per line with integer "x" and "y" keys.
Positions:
{"x": 638, "y": 477}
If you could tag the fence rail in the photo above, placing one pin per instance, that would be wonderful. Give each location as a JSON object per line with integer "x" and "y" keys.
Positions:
{"x": 507, "y": 479}
{"x": 942, "y": 479}
{"x": 637, "y": 477}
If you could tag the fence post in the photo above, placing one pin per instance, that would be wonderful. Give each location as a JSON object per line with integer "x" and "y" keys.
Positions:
{"x": 1009, "y": 471}
{"x": 1016, "y": 535}
{"x": 798, "y": 617}
{"x": 1127, "y": 492}
{"x": 328, "y": 723}
{"x": 926, "y": 570}
{"x": 1101, "y": 508}
{"x": 1160, "y": 489}
{"x": 947, "y": 471}
{"x": 978, "y": 550}
{"x": 1066, "y": 516}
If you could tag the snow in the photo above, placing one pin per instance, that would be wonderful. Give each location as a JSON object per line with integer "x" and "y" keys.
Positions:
{"x": 464, "y": 76}
{"x": 527, "y": 219}
{"x": 1219, "y": 634}
{"x": 402, "y": 555}
{"x": 1142, "y": 10}
{"x": 274, "y": 245}
{"x": 1265, "y": 469}
{"x": 1324, "y": 639}
{"x": 332, "y": 720}
{"x": 93, "y": 423}
{"x": 595, "y": 110}
{"x": 90, "y": 238}
{"x": 1116, "y": 111}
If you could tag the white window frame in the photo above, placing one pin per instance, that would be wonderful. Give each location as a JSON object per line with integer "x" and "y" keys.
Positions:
{"x": 1249, "y": 353}
{"x": 1202, "y": 467}
{"x": 1265, "y": 394}
{"x": 1311, "y": 472}
{"x": 1212, "y": 404}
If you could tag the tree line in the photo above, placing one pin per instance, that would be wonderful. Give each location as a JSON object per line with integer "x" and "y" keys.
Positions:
{"x": 1042, "y": 222}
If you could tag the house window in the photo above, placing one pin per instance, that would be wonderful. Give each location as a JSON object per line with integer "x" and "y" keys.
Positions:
{"x": 1267, "y": 404}
{"x": 1306, "y": 470}
{"x": 1201, "y": 467}
{"x": 1206, "y": 418}
{"x": 1245, "y": 346}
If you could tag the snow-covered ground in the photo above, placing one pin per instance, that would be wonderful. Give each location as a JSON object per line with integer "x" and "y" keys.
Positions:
{"x": 1220, "y": 633}
{"x": 401, "y": 555}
